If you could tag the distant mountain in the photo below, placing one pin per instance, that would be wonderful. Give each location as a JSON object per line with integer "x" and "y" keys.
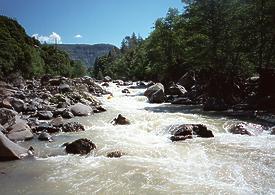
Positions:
{"x": 86, "y": 53}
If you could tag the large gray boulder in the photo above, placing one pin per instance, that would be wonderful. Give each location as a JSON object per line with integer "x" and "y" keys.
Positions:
{"x": 80, "y": 109}
{"x": 176, "y": 90}
{"x": 155, "y": 93}
{"x": 10, "y": 150}
{"x": 19, "y": 131}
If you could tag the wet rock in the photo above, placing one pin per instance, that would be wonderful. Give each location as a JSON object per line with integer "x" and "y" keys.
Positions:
{"x": 215, "y": 104}
{"x": 80, "y": 109}
{"x": 272, "y": 131}
{"x": 45, "y": 115}
{"x": 72, "y": 127}
{"x": 240, "y": 129}
{"x": 7, "y": 115}
{"x": 67, "y": 114}
{"x": 107, "y": 79}
{"x": 2, "y": 129}
{"x": 155, "y": 93}
{"x": 187, "y": 80}
{"x": 10, "y": 150}
{"x": 202, "y": 131}
{"x": 80, "y": 146}
{"x": 182, "y": 101}
{"x": 115, "y": 154}
{"x": 44, "y": 136}
{"x": 46, "y": 127}
{"x": 63, "y": 88}
{"x": 119, "y": 82}
{"x": 98, "y": 109}
{"x": 105, "y": 84}
{"x": 176, "y": 90}
{"x": 57, "y": 122}
{"x": 121, "y": 120}
{"x": 125, "y": 91}
{"x": 186, "y": 131}
{"x": 19, "y": 131}
{"x": 6, "y": 104}
{"x": 180, "y": 138}
{"x": 18, "y": 104}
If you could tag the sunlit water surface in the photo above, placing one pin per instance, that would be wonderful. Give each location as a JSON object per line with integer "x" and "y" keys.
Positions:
{"x": 225, "y": 164}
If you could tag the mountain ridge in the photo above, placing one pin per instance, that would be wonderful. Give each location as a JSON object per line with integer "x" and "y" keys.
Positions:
{"x": 86, "y": 53}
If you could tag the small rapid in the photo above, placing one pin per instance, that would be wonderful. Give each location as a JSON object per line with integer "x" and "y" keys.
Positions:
{"x": 225, "y": 164}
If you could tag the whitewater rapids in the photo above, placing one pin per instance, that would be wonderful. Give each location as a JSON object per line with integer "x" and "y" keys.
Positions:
{"x": 225, "y": 164}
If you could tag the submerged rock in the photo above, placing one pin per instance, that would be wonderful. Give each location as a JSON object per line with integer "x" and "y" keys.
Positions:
{"x": 115, "y": 154}
{"x": 121, "y": 120}
{"x": 44, "y": 136}
{"x": 80, "y": 146}
{"x": 125, "y": 91}
{"x": 10, "y": 150}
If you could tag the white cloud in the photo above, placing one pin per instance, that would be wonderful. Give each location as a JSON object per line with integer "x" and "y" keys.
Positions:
{"x": 78, "y": 36}
{"x": 52, "y": 38}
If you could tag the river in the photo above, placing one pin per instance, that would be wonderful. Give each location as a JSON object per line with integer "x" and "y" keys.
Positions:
{"x": 225, "y": 164}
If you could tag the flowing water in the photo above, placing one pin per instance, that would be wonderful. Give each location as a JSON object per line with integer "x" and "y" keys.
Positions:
{"x": 225, "y": 164}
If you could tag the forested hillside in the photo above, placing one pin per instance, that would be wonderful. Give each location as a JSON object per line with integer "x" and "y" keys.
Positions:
{"x": 25, "y": 55}
{"x": 222, "y": 42}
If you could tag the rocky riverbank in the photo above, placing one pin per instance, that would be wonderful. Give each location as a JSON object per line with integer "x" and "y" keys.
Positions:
{"x": 29, "y": 107}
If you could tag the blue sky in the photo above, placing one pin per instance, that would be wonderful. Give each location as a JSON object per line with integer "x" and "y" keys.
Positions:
{"x": 94, "y": 21}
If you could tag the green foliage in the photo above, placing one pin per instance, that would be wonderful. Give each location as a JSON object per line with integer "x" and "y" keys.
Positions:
{"x": 222, "y": 41}
{"x": 23, "y": 54}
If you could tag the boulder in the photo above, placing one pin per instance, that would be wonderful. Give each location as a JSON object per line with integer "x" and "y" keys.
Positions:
{"x": 176, "y": 90}
{"x": 44, "y": 136}
{"x": 19, "y": 131}
{"x": 57, "y": 122}
{"x": 2, "y": 129}
{"x": 46, "y": 127}
{"x": 187, "y": 80}
{"x": 202, "y": 131}
{"x": 72, "y": 127}
{"x": 63, "y": 88}
{"x": 67, "y": 114}
{"x": 10, "y": 150}
{"x": 45, "y": 115}
{"x": 157, "y": 97}
{"x": 215, "y": 104}
{"x": 7, "y": 115}
{"x": 98, "y": 109}
{"x": 186, "y": 131}
{"x": 241, "y": 129}
{"x": 115, "y": 154}
{"x": 121, "y": 120}
{"x": 155, "y": 93}
{"x": 80, "y": 109}
{"x": 80, "y": 146}
{"x": 272, "y": 131}
{"x": 18, "y": 104}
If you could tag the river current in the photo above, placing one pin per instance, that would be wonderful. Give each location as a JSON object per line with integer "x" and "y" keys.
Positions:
{"x": 225, "y": 164}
